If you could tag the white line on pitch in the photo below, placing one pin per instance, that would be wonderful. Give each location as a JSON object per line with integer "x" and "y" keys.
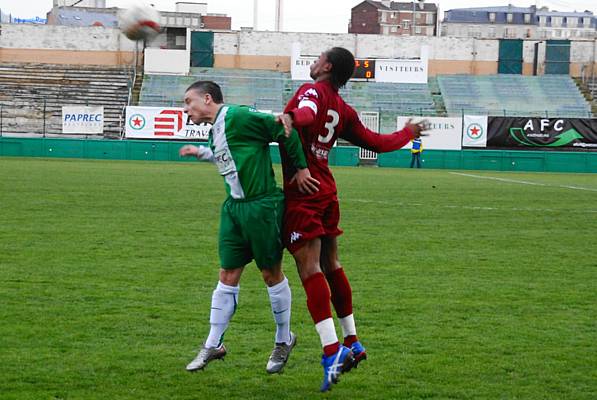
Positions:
{"x": 522, "y": 182}
{"x": 398, "y": 204}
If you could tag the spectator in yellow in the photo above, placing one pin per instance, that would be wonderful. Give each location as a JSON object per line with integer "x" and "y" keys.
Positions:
{"x": 416, "y": 150}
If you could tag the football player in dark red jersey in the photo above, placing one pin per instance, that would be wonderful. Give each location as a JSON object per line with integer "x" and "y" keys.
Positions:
{"x": 311, "y": 220}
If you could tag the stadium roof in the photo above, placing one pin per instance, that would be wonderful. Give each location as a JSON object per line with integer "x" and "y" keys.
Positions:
{"x": 505, "y": 9}
{"x": 398, "y": 6}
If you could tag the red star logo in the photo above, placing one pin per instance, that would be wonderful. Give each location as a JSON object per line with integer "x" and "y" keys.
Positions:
{"x": 475, "y": 131}
{"x": 137, "y": 121}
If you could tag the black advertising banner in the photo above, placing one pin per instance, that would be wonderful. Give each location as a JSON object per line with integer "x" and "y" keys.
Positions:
{"x": 542, "y": 133}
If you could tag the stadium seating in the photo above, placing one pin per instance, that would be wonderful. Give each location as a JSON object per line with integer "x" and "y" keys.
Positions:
{"x": 25, "y": 88}
{"x": 270, "y": 90}
{"x": 513, "y": 95}
{"x": 258, "y": 88}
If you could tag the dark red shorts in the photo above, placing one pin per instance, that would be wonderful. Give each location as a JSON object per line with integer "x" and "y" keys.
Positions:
{"x": 306, "y": 220}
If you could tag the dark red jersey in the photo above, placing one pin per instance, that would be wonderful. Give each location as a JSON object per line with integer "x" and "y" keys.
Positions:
{"x": 321, "y": 116}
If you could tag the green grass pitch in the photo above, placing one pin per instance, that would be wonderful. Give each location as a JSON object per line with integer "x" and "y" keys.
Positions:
{"x": 467, "y": 285}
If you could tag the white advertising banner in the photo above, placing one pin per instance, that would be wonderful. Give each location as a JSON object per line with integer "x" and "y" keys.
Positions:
{"x": 300, "y": 67}
{"x": 386, "y": 70}
{"x": 162, "y": 123}
{"x": 445, "y": 133}
{"x": 403, "y": 71}
{"x": 474, "y": 132}
{"x": 83, "y": 119}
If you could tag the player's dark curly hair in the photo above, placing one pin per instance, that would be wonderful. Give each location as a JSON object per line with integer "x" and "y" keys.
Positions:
{"x": 209, "y": 87}
{"x": 342, "y": 62}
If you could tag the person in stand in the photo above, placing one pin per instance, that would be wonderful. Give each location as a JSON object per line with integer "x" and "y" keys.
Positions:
{"x": 251, "y": 216}
{"x": 311, "y": 220}
{"x": 415, "y": 151}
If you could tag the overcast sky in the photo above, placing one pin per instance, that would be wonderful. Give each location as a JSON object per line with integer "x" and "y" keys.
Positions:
{"x": 299, "y": 15}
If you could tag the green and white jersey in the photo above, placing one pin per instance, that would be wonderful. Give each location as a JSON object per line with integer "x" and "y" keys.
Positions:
{"x": 239, "y": 141}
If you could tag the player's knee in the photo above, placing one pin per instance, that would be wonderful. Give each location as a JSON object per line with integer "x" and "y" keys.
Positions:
{"x": 230, "y": 277}
{"x": 272, "y": 276}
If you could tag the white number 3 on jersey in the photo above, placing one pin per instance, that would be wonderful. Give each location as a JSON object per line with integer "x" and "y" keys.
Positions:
{"x": 330, "y": 126}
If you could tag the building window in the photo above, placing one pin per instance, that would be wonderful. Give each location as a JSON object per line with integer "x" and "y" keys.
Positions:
{"x": 556, "y": 21}
{"x": 474, "y": 32}
{"x": 542, "y": 21}
{"x": 195, "y": 22}
{"x": 571, "y": 22}
{"x": 383, "y": 17}
{"x": 386, "y": 30}
{"x": 509, "y": 18}
{"x": 429, "y": 19}
{"x": 187, "y": 21}
{"x": 178, "y": 21}
{"x": 171, "y": 21}
{"x": 586, "y": 22}
{"x": 405, "y": 25}
{"x": 543, "y": 34}
{"x": 417, "y": 30}
{"x": 492, "y": 17}
{"x": 527, "y": 18}
{"x": 510, "y": 33}
{"x": 394, "y": 29}
{"x": 491, "y": 32}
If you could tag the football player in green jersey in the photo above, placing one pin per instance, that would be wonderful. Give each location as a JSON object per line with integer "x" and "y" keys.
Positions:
{"x": 251, "y": 216}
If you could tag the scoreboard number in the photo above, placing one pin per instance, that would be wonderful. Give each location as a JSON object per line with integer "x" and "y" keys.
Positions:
{"x": 364, "y": 69}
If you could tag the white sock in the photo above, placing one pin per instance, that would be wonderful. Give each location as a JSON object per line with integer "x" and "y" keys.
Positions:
{"x": 348, "y": 326}
{"x": 327, "y": 332}
{"x": 280, "y": 297}
{"x": 223, "y": 305}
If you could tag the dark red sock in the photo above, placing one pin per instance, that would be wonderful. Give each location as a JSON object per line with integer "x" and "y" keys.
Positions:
{"x": 318, "y": 303}
{"x": 349, "y": 340}
{"x": 341, "y": 292}
{"x": 341, "y": 298}
{"x": 331, "y": 349}
{"x": 318, "y": 297}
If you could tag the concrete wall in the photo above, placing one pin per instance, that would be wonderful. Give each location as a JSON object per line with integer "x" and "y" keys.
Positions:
{"x": 65, "y": 45}
{"x": 447, "y": 55}
{"x": 272, "y": 50}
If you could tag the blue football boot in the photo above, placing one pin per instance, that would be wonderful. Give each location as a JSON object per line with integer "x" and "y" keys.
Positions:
{"x": 359, "y": 353}
{"x": 334, "y": 365}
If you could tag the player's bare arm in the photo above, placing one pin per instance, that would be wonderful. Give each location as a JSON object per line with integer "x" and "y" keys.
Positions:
{"x": 286, "y": 120}
{"x": 188, "y": 150}
{"x": 306, "y": 183}
{"x": 417, "y": 128}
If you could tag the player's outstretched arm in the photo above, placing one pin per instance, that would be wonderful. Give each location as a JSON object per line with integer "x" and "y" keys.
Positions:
{"x": 201, "y": 153}
{"x": 360, "y": 135}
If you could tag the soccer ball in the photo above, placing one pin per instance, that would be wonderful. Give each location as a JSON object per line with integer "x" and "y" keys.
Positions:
{"x": 140, "y": 22}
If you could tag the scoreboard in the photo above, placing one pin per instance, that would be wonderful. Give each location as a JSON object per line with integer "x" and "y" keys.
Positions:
{"x": 364, "y": 69}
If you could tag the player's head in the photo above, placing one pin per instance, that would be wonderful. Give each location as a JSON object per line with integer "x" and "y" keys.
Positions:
{"x": 202, "y": 100}
{"x": 335, "y": 65}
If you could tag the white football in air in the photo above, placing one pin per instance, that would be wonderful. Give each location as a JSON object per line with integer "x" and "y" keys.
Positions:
{"x": 140, "y": 22}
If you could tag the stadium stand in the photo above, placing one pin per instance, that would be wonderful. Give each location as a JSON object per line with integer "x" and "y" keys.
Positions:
{"x": 513, "y": 95}
{"x": 270, "y": 90}
{"x": 33, "y": 95}
{"x": 259, "y": 88}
